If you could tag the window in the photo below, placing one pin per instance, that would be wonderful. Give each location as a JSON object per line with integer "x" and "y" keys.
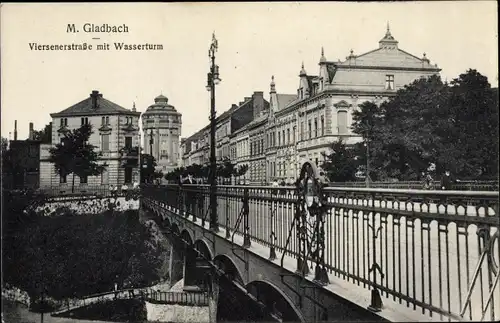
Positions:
{"x": 262, "y": 145}
{"x": 62, "y": 122}
{"x": 294, "y": 130}
{"x": 302, "y": 131}
{"x": 322, "y": 125}
{"x": 105, "y": 177}
{"x": 84, "y": 121}
{"x": 83, "y": 179}
{"x": 105, "y": 143}
{"x": 288, "y": 136}
{"x": 107, "y": 120}
{"x": 316, "y": 162}
{"x": 128, "y": 175}
{"x": 389, "y": 82}
{"x": 315, "y": 127}
{"x": 283, "y": 137}
{"x": 63, "y": 178}
{"x": 128, "y": 142}
{"x": 342, "y": 122}
{"x": 279, "y": 138}
{"x": 309, "y": 130}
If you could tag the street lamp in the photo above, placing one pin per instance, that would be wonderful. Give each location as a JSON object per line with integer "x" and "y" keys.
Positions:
{"x": 212, "y": 80}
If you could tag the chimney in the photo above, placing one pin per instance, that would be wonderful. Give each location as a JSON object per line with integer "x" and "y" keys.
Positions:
{"x": 258, "y": 104}
{"x": 234, "y": 106}
{"x": 31, "y": 132}
{"x": 15, "y": 129}
{"x": 94, "y": 96}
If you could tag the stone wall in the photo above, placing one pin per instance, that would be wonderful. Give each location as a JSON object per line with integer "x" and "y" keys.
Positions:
{"x": 177, "y": 313}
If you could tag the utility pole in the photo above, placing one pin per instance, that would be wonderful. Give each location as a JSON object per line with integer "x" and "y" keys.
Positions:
{"x": 212, "y": 80}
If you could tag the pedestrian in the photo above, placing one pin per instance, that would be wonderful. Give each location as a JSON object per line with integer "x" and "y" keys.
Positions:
{"x": 427, "y": 180}
{"x": 447, "y": 181}
{"x": 116, "y": 290}
{"x": 283, "y": 190}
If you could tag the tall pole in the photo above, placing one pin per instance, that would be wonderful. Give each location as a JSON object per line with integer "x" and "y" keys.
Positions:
{"x": 367, "y": 164}
{"x": 151, "y": 142}
{"x": 214, "y": 223}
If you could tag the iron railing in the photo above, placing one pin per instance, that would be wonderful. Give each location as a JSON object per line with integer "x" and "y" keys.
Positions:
{"x": 147, "y": 294}
{"x": 466, "y": 185}
{"x": 435, "y": 251}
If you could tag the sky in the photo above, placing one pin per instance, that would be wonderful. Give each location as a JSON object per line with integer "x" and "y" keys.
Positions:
{"x": 256, "y": 41}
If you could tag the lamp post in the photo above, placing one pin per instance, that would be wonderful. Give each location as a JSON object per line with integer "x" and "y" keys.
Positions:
{"x": 367, "y": 164}
{"x": 151, "y": 142}
{"x": 212, "y": 80}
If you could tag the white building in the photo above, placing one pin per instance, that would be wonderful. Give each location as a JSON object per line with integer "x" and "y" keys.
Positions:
{"x": 162, "y": 126}
{"x": 115, "y": 134}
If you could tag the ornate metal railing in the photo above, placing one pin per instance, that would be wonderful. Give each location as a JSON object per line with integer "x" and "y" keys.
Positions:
{"x": 435, "y": 251}
{"x": 466, "y": 185}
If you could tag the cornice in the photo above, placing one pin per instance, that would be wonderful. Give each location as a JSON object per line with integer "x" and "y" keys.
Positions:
{"x": 389, "y": 68}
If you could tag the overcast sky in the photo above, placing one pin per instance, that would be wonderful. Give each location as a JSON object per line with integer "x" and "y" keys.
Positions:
{"x": 256, "y": 41}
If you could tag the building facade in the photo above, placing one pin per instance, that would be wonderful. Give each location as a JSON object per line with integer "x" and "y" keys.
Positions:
{"x": 162, "y": 126}
{"x": 302, "y": 126}
{"x": 196, "y": 148}
{"x": 115, "y": 134}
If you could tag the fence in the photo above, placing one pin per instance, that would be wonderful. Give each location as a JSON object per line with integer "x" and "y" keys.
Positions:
{"x": 435, "y": 251}
{"x": 148, "y": 294}
{"x": 459, "y": 186}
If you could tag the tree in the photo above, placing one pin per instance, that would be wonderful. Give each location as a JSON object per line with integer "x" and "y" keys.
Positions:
{"x": 472, "y": 131}
{"x": 340, "y": 164}
{"x": 367, "y": 122}
{"x": 74, "y": 155}
{"x": 241, "y": 170}
{"x": 405, "y": 140}
{"x": 45, "y": 135}
{"x": 5, "y": 145}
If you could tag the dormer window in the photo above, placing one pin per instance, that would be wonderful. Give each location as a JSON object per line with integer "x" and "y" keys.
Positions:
{"x": 389, "y": 82}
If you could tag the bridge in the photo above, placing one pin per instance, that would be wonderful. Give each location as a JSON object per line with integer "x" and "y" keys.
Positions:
{"x": 314, "y": 253}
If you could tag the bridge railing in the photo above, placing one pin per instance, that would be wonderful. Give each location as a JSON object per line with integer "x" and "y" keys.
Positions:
{"x": 178, "y": 298}
{"x": 466, "y": 185}
{"x": 434, "y": 251}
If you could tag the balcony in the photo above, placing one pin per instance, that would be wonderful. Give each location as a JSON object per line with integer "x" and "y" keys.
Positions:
{"x": 129, "y": 153}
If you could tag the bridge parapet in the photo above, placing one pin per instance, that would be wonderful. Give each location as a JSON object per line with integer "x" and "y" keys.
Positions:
{"x": 437, "y": 252}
